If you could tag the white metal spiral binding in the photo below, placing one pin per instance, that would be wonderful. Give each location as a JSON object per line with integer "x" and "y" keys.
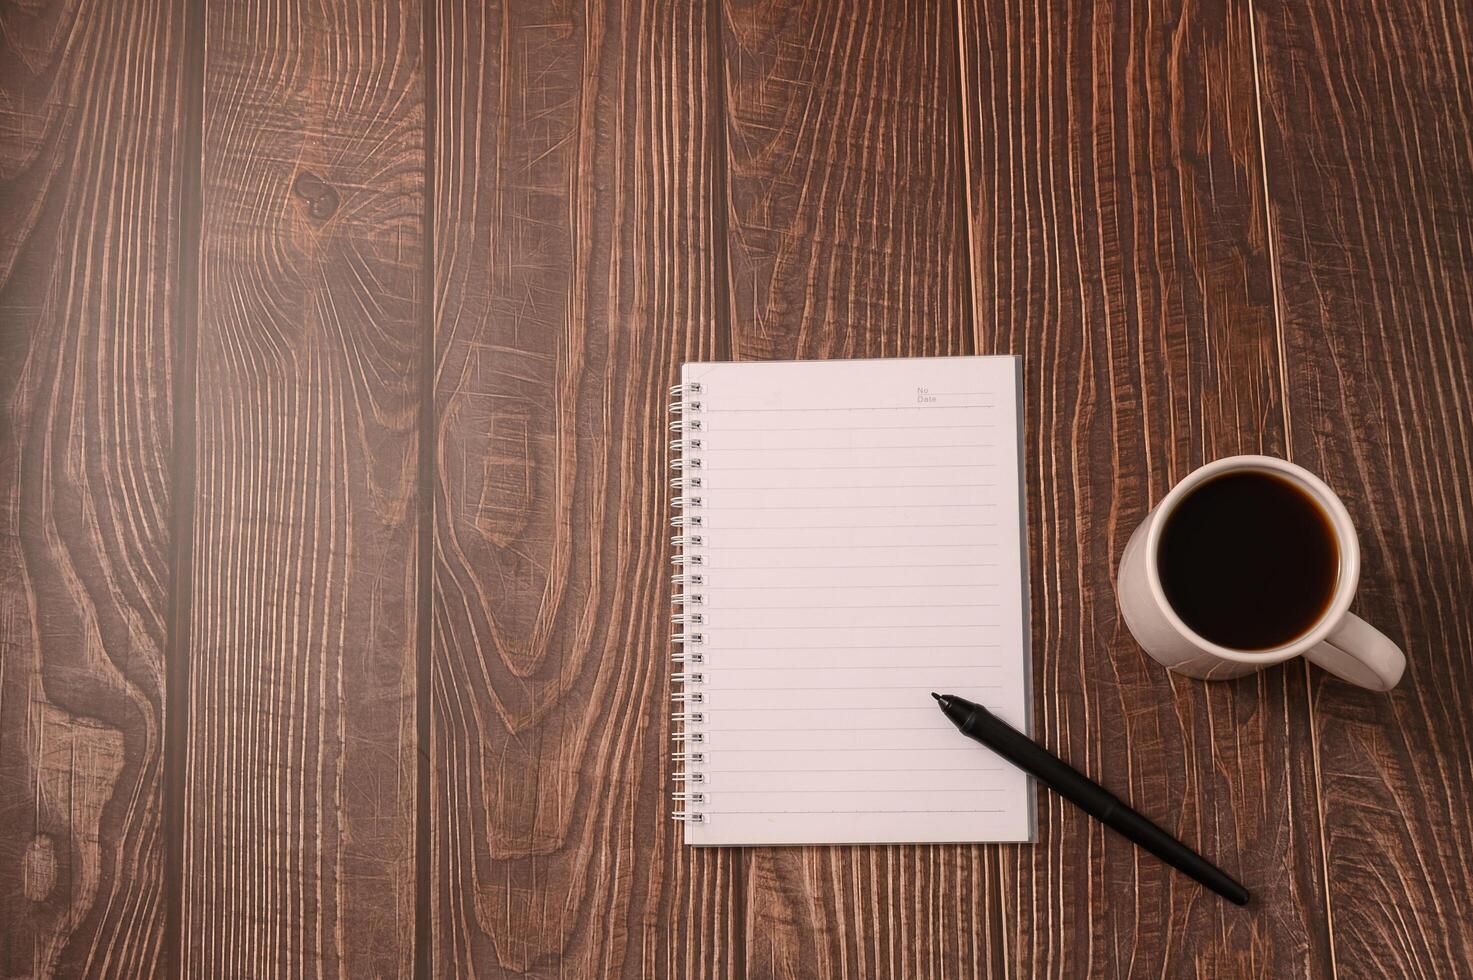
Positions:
{"x": 685, "y": 642}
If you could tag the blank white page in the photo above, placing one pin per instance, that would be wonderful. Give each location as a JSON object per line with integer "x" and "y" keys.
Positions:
{"x": 860, "y": 544}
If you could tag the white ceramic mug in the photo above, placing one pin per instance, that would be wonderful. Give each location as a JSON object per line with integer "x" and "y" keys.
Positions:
{"x": 1341, "y": 642}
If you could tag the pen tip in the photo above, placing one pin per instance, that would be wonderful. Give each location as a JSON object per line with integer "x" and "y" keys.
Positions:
{"x": 935, "y": 695}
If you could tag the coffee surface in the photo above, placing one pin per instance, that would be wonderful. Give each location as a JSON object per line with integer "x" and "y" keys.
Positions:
{"x": 1249, "y": 561}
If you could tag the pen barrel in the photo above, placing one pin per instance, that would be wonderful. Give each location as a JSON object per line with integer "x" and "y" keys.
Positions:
{"x": 982, "y": 725}
{"x": 1137, "y": 828}
{"x": 1033, "y": 758}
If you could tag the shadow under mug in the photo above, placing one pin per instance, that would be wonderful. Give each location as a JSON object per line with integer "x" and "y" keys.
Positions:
{"x": 1340, "y": 642}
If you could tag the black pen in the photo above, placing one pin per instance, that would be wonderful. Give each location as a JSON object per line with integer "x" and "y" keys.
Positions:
{"x": 979, "y": 723}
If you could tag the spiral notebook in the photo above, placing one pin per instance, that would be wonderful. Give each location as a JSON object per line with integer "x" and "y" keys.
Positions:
{"x": 850, "y": 536}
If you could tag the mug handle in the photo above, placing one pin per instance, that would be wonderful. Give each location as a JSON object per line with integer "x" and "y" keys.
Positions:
{"x": 1357, "y": 652}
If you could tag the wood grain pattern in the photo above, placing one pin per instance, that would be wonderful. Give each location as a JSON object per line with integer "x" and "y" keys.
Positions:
{"x": 1370, "y": 172}
{"x": 299, "y": 814}
{"x": 847, "y": 239}
{"x": 846, "y": 232}
{"x": 90, "y": 110}
{"x": 425, "y": 438}
{"x": 574, "y": 271}
{"x": 1118, "y": 245}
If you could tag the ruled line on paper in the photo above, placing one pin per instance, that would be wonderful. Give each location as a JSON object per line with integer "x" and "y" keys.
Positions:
{"x": 717, "y": 528}
{"x": 861, "y": 605}
{"x": 851, "y": 448}
{"x": 846, "y": 428}
{"x": 707, "y": 467}
{"x": 851, "y": 646}
{"x": 805, "y": 748}
{"x": 725, "y": 731}
{"x": 726, "y": 667}
{"x": 833, "y": 687}
{"x": 712, "y": 508}
{"x": 957, "y": 394}
{"x": 826, "y": 547}
{"x": 710, "y": 771}
{"x": 918, "y": 706}
{"x": 847, "y": 588}
{"x": 805, "y": 568}
{"x": 938, "y": 789}
{"x": 890, "y": 626}
{"x": 851, "y": 486}
{"x": 962, "y": 810}
{"x": 706, "y": 410}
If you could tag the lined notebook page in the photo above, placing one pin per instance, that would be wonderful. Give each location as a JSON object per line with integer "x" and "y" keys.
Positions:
{"x": 861, "y": 545}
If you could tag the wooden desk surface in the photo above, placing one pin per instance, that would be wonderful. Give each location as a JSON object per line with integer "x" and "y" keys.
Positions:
{"x": 333, "y": 358}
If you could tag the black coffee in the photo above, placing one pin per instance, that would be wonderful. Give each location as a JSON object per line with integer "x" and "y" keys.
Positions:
{"x": 1249, "y": 561}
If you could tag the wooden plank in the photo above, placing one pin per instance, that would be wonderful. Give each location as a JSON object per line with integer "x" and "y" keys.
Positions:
{"x": 1118, "y": 245}
{"x": 844, "y": 149}
{"x": 575, "y": 268}
{"x": 848, "y": 239}
{"x": 299, "y": 814}
{"x": 1370, "y": 174}
{"x": 90, "y": 168}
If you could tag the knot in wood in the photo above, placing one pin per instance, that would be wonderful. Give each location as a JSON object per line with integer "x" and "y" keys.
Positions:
{"x": 321, "y": 197}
